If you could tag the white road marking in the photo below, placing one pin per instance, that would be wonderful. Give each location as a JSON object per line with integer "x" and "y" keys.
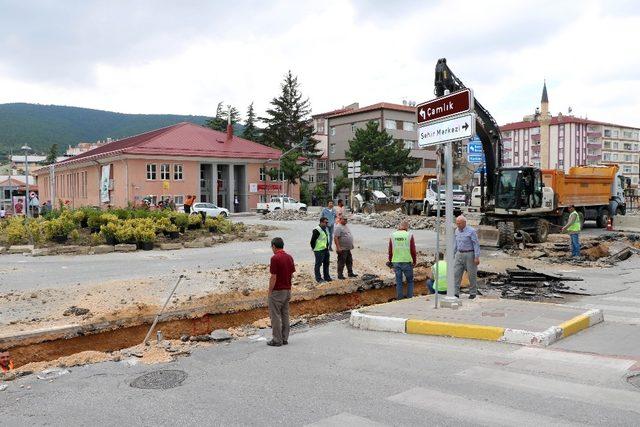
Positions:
{"x": 345, "y": 419}
{"x": 595, "y": 361}
{"x": 600, "y": 396}
{"x": 472, "y": 411}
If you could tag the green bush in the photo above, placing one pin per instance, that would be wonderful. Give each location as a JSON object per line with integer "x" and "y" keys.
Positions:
{"x": 195, "y": 221}
{"x": 220, "y": 224}
{"x": 108, "y": 231}
{"x": 181, "y": 220}
{"x": 59, "y": 228}
{"x": 79, "y": 216}
{"x": 144, "y": 233}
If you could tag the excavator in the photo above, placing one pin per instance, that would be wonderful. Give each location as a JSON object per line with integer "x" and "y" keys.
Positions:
{"x": 524, "y": 201}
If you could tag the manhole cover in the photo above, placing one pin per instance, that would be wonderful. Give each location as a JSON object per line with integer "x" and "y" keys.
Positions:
{"x": 634, "y": 380}
{"x": 159, "y": 380}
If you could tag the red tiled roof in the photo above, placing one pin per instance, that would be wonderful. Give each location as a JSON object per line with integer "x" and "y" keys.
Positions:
{"x": 378, "y": 106}
{"x": 331, "y": 113}
{"x": 555, "y": 120}
{"x": 182, "y": 139}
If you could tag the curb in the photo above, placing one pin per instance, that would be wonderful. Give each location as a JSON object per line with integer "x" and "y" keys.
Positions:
{"x": 479, "y": 332}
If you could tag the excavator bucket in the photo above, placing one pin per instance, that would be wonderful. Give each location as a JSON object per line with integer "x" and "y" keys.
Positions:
{"x": 488, "y": 236}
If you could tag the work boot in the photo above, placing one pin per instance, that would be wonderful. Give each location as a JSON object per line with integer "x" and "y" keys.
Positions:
{"x": 341, "y": 277}
{"x": 328, "y": 279}
{"x": 472, "y": 296}
{"x": 320, "y": 280}
{"x": 272, "y": 343}
{"x": 352, "y": 275}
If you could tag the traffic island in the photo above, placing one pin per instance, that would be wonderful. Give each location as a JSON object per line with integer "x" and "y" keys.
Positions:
{"x": 514, "y": 322}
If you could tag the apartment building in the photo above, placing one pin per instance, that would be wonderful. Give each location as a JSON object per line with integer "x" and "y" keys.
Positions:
{"x": 563, "y": 141}
{"x": 398, "y": 120}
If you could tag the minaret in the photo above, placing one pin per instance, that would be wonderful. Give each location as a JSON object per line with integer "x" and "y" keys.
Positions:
{"x": 545, "y": 121}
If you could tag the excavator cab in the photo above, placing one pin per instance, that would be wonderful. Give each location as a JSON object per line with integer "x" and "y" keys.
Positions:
{"x": 518, "y": 188}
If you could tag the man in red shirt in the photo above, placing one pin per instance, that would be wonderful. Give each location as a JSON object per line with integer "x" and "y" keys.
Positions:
{"x": 282, "y": 268}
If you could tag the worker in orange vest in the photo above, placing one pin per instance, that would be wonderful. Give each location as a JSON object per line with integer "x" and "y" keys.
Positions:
{"x": 6, "y": 364}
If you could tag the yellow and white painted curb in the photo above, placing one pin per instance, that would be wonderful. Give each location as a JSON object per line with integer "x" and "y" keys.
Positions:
{"x": 478, "y": 332}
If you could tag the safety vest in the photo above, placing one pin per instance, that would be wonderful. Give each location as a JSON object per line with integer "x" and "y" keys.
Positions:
{"x": 441, "y": 279}
{"x": 322, "y": 241}
{"x": 575, "y": 227}
{"x": 401, "y": 244}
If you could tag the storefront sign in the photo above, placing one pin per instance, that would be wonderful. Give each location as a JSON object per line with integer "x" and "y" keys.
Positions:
{"x": 269, "y": 187}
{"x": 104, "y": 184}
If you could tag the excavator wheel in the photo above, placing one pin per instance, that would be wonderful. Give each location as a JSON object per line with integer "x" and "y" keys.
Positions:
{"x": 603, "y": 218}
{"x": 541, "y": 232}
{"x": 505, "y": 234}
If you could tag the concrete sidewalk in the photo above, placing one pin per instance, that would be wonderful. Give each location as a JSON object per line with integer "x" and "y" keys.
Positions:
{"x": 516, "y": 322}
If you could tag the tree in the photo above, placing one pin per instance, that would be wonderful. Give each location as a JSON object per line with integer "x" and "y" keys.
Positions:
{"x": 341, "y": 181}
{"x": 379, "y": 152}
{"x": 219, "y": 122}
{"x": 52, "y": 155}
{"x": 287, "y": 125}
{"x": 251, "y": 132}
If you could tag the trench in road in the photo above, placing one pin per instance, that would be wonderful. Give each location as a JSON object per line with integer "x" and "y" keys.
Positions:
{"x": 124, "y": 337}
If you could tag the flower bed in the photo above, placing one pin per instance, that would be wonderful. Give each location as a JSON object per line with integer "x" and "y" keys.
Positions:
{"x": 92, "y": 227}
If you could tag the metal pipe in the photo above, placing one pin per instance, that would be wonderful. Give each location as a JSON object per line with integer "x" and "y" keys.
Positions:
{"x": 155, "y": 321}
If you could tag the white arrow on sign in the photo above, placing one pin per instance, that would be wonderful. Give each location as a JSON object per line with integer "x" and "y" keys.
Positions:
{"x": 450, "y": 129}
{"x": 423, "y": 114}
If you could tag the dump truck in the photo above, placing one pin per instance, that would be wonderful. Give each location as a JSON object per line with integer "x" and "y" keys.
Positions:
{"x": 533, "y": 200}
{"x": 420, "y": 196}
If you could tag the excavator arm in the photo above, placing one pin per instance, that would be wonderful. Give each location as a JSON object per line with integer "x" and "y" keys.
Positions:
{"x": 486, "y": 126}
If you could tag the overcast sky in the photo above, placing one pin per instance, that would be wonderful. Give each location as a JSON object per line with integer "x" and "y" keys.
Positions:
{"x": 156, "y": 56}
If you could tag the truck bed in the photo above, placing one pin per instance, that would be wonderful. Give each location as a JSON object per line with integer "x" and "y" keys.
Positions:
{"x": 582, "y": 186}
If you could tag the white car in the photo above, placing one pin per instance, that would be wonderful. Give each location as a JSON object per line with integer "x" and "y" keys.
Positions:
{"x": 210, "y": 209}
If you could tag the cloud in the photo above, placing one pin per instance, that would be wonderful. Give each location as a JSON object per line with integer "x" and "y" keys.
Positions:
{"x": 185, "y": 57}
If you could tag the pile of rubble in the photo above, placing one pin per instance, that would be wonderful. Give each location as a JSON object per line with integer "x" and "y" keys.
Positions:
{"x": 523, "y": 283}
{"x": 289, "y": 215}
{"x": 392, "y": 219}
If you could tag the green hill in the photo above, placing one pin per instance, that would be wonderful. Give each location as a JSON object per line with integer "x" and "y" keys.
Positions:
{"x": 41, "y": 126}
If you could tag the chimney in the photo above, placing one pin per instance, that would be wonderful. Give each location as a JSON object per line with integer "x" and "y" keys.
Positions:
{"x": 229, "y": 127}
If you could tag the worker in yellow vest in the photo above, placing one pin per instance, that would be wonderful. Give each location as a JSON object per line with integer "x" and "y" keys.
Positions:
{"x": 573, "y": 227}
{"x": 437, "y": 278}
{"x": 402, "y": 257}
{"x": 320, "y": 247}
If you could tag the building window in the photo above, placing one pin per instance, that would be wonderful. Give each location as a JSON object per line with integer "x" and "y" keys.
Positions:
{"x": 311, "y": 178}
{"x": 607, "y": 133}
{"x": 627, "y": 157}
{"x": 615, "y": 145}
{"x": 353, "y": 127}
{"x": 506, "y": 134}
{"x": 263, "y": 174}
{"x": 626, "y": 134}
{"x": 626, "y": 169}
{"x": 615, "y": 133}
{"x": 322, "y": 165}
{"x": 178, "y": 200}
{"x": 389, "y": 124}
{"x": 607, "y": 144}
{"x": 408, "y": 144}
{"x": 177, "y": 172}
{"x": 627, "y": 147}
{"x": 408, "y": 126}
{"x": 165, "y": 173}
{"x": 332, "y": 130}
{"x": 614, "y": 157}
{"x": 332, "y": 148}
{"x": 635, "y": 147}
{"x": 151, "y": 172}
{"x": 333, "y": 165}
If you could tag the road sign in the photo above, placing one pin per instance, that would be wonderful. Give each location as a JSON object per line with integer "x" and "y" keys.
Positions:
{"x": 353, "y": 175}
{"x": 474, "y": 148}
{"x": 475, "y": 158}
{"x": 481, "y": 169}
{"x": 451, "y": 129}
{"x": 445, "y": 106}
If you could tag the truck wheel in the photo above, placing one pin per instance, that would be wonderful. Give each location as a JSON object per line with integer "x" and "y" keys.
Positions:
{"x": 505, "y": 234}
{"x": 542, "y": 231}
{"x": 426, "y": 209}
{"x": 303, "y": 209}
{"x": 603, "y": 218}
{"x": 408, "y": 208}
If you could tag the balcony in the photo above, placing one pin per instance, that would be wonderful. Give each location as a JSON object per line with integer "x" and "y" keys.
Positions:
{"x": 535, "y": 137}
{"x": 592, "y": 134}
{"x": 535, "y": 148}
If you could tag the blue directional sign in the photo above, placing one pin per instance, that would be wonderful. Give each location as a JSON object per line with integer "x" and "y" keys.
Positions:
{"x": 474, "y": 146}
{"x": 475, "y": 158}
{"x": 481, "y": 169}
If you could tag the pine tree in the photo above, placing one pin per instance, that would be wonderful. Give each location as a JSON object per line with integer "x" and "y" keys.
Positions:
{"x": 288, "y": 125}
{"x": 251, "y": 132}
{"x": 219, "y": 122}
{"x": 379, "y": 152}
{"x": 52, "y": 155}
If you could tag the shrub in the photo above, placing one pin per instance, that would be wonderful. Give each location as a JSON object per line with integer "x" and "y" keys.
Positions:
{"x": 96, "y": 239}
{"x": 195, "y": 221}
{"x": 74, "y": 235}
{"x": 35, "y": 230}
{"x": 125, "y": 232}
{"x": 16, "y": 232}
{"x": 220, "y": 224}
{"x": 108, "y": 231}
{"x": 59, "y": 228}
{"x": 144, "y": 233}
{"x": 181, "y": 220}
{"x": 162, "y": 224}
{"x": 79, "y": 216}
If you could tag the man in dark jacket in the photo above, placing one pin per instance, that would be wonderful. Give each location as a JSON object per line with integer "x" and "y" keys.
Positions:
{"x": 320, "y": 247}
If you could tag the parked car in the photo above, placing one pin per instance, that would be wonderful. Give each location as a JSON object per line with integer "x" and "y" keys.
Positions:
{"x": 286, "y": 203}
{"x": 210, "y": 209}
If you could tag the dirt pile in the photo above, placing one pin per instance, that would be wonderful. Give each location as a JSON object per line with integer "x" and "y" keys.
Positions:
{"x": 289, "y": 215}
{"x": 392, "y": 219}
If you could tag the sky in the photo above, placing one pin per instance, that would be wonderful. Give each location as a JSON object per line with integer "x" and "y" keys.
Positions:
{"x": 183, "y": 57}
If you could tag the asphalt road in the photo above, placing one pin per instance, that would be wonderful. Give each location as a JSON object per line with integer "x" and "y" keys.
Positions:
{"x": 334, "y": 375}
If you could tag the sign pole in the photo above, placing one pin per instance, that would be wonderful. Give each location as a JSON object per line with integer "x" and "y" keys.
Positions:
{"x": 450, "y": 301}
{"x": 436, "y": 273}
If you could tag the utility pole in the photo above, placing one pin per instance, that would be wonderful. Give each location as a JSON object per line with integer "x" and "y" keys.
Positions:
{"x": 27, "y": 203}
{"x": 450, "y": 301}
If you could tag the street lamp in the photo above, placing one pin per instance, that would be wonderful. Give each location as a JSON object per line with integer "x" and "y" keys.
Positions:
{"x": 264, "y": 170}
{"x": 26, "y": 149}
